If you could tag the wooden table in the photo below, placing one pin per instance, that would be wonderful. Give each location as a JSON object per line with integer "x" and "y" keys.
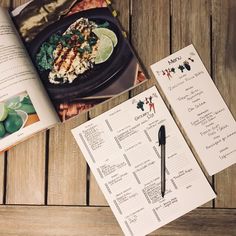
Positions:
{"x": 46, "y": 188}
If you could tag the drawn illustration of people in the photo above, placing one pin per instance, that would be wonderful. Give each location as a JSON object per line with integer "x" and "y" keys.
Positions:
{"x": 151, "y": 104}
{"x": 168, "y": 74}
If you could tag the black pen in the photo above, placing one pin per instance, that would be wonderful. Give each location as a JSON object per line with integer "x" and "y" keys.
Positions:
{"x": 162, "y": 142}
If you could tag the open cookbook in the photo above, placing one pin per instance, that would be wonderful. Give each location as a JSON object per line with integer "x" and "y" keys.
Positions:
{"x": 57, "y": 60}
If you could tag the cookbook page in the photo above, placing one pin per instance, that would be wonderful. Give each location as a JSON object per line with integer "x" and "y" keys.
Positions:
{"x": 24, "y": 105}
{"x": 199, "y": 107}
{"x": 80, "y": 51}
{"x": 121, "y": 147}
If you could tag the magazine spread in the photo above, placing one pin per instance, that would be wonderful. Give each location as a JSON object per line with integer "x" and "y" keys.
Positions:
{"x": 79, "y": 51}
{"x": 199, "y": 107}
{"x": 79, "y": 57}
{"x": 122, "y": 149}
{"x": 24, "y": 105}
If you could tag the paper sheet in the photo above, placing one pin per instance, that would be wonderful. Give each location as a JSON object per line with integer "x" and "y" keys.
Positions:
{"x": 122, "y": 150}
{"x": 199, "y": 107}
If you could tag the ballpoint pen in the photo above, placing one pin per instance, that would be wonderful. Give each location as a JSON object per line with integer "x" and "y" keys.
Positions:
{"x": 162, "y": 143}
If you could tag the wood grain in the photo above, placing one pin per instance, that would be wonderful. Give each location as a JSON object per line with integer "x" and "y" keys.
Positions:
{"x": 67, "y": 168}
{"x": 99, "y": 221}
{"x": 190, "y": 24}
{"x": 2, "y": 160}
{"x": 154, "y": 35}
{"x": 96, "y": 197}
{"x": 26, "y": 171}
{"x": 224, "y": 71}
{"x": 16, "y": 3}
{"x": 5, "y": 3}
{"x": 122, "y": 7}
{"x": 152, "y": 42}
{"x": 150, "y": 31}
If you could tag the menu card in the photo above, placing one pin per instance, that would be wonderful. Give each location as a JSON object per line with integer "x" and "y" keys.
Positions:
{"x": 199, "y": 107}
{"x": 121, "y": 147}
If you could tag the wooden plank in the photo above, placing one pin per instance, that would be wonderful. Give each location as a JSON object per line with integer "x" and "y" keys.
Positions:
{"x": 190, "y": 23}
{"x": 84, "y": 221}
{"x": 123, "y": 13}
{"x": 150, "y": 31}
{"x": 16, "y": 3}
{"x": 156, "y": 46}
{"x": 5, "y": 3}
{"x": 67, "y": 168}
{"x": 224, "y": 70}
{"x": 96, "y": 197}
{"x": 2, "y": 161}
{"x": 26, "y": 171}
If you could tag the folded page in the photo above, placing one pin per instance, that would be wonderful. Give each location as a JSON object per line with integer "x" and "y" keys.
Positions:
{"x": 121, "y": 147}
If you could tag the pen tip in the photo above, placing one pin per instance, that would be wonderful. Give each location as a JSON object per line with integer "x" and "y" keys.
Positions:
{"x": 162, "y": 194}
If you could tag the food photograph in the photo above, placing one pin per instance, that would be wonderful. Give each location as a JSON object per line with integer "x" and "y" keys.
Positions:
{"x": 16, "y": 113}
{"x": 82, "y": 55}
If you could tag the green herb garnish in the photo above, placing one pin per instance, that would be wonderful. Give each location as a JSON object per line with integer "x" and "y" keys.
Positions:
{"x": 103, "y": 25}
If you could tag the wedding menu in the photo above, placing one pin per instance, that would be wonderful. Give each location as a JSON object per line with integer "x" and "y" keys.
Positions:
{"x": 121, "y": 147}
{"x": 199, "y": 107}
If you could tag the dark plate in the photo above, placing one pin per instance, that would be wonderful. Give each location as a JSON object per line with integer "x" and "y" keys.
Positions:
{"x": 100, "y": 75}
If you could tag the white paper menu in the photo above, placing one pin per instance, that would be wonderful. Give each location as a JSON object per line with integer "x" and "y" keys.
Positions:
{"x": 199, "y": 107}
{"x": 121, "y": 148}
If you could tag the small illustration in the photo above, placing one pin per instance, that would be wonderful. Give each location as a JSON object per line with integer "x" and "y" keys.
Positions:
{"x": 147, "y": 102}
{"x": 151, "y": 104}
{"x": 183, "y": 67}
{"x": 16, "y": 113}
{"x": 191, "y": 59}
{"x": 168, "y": 73}
{"x": 186, "y": 65}
{"x": 140, "y": 105}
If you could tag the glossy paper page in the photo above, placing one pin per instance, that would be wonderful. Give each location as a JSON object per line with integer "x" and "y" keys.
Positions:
{"x": 80, "y": 52}
{"x": 24, "y": 105}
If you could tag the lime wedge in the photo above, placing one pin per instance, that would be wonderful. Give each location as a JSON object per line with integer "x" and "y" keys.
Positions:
{"x": 14, "y": 105}
{"x": 104, "y": 31}
{"x": 105, "y": 49}
{"x": 3, "y": 112}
